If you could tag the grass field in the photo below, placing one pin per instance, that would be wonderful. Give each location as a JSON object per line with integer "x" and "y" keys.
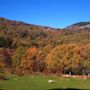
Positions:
{"x": 40, "y": 82}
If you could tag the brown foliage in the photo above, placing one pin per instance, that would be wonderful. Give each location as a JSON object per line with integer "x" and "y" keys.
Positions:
{"x": 33, "y": 60}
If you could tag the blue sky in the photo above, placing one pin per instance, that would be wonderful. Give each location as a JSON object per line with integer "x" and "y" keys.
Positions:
{"x": 54, "y": 13}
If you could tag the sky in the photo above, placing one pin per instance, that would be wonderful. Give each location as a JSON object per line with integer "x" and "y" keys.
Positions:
{"x": 52, "y": 13}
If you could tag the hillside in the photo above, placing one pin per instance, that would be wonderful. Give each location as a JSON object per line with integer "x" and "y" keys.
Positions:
{"x": 14, "y": 34}
{"x": 33, "y": 48}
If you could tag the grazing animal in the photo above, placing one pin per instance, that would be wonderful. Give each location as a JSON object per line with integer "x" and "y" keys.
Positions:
{"x": 51, "y": 81}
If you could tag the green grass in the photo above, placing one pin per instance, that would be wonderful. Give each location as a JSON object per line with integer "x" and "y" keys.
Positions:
{"x": 40, "y": 82}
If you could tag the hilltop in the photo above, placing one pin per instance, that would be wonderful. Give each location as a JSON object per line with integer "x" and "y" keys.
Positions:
{"x": 79, "y": 26}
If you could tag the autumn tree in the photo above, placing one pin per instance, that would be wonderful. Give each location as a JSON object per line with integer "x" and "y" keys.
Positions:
{"x": 33, "y": 60}
{"x": 68, "y": 58}
{"x": 85, "y": 53}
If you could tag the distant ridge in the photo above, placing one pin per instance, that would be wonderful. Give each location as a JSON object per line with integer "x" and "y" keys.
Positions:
{"x": 79, "y": 25}
{"x": 3, "y": 20}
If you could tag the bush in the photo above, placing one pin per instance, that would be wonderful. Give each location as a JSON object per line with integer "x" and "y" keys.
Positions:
{"x": 3, "y": 76}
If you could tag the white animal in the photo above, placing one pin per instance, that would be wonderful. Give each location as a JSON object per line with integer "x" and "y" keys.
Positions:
{"x": 84, "y": 78}
{"x": 51, "y": 81}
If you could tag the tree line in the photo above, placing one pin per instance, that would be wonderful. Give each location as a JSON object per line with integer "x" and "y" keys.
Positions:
{"x": 61, "y": 59}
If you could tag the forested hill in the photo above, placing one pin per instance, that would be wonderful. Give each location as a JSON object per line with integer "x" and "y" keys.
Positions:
{"x": 80, "y": 26}
{"x": 15, "y": 34}
{"x": 36, "y": 48}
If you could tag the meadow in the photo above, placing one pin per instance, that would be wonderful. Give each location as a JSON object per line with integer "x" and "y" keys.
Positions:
{"x": 40, "y": 82}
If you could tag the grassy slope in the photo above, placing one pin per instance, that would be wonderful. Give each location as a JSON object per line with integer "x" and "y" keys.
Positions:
{"x": 41, "y": 83}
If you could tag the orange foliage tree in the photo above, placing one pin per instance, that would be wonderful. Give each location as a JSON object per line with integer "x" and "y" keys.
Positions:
{"x": 33, "y": 60}
{"x": 69, "y": 58}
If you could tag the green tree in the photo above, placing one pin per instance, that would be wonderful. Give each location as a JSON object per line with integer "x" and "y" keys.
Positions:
{"x": 17, "y": 57}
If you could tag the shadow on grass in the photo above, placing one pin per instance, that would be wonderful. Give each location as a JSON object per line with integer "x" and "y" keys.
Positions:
{"x": 67, "y": 89}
